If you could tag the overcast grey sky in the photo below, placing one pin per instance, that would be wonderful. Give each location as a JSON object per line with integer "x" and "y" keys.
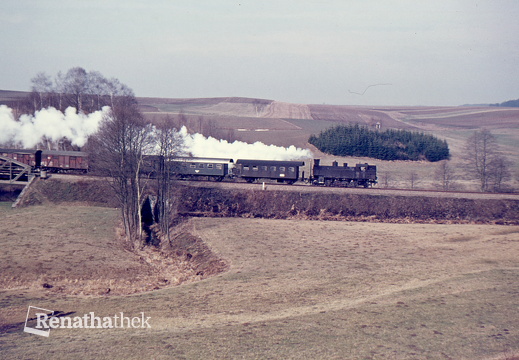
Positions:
{"x": 438, "y": 52}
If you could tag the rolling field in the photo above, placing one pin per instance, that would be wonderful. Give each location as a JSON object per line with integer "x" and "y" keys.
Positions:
{"x": 254, "y": 288}
{"x": 285, "y": 124}
{"x": 294, "y": 290}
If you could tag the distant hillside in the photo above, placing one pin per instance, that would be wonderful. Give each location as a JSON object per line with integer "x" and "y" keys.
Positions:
{"x": 284, "y": 124}
{"x": 509, "y": 103}
{"x": 228, "y": 106}
{"x": 8, "y": 96}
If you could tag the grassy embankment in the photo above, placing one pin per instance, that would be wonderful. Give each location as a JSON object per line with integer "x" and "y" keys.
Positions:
{"x": 295, "y": 289}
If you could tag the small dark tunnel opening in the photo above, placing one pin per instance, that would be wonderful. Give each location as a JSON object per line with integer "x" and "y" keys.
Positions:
{"x": 147, "y": 220}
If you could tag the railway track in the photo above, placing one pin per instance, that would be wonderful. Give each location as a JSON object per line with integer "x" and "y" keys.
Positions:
{"x": 367, "y": 191}
{"x": 305, "y": 187}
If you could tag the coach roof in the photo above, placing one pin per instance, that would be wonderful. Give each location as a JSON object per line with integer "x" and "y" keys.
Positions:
{"x": 63, "y": 153}
{"x": 269, "y": 162}
{"x": 18, "y": 151}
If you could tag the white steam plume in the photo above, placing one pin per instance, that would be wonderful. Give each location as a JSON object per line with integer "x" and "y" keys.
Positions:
{"x": 200, "y": 146}
{"x": 54, "y": 125}
{"x": 49, "y": 123}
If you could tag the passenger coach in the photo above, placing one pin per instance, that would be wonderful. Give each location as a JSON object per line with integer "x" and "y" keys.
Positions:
{"x": 214, "y": 169}
{"x": 281, "y": 171}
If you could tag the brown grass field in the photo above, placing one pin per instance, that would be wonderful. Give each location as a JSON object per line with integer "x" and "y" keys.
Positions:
{"x": 294, "y": 290}
{"x": 247, "y": 288}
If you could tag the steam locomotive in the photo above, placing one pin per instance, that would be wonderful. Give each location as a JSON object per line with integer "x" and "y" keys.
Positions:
{"x": 214, "y": 169}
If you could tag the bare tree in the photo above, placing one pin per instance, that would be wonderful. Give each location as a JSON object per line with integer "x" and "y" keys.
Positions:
{"x": 481, "y": 148}
{"x": 386, "y": 179}
{"x": 499, "y": 172}
{"x": 59, "y": 90}
{"x": 445, "y": 176}
{"x": 86, "y": 91}
{"x": 42, "y": 88}
{"x": 96, "y": 90}
{"x": 210, "y": 129}
{"x": 413, "y": 179}
{"x": 118, "y": 151}
{"x": 115, "y": 89}
{"x": 229, "y": 135}
{"x": 200, "y": 125}
{"x": 169, "y": 145}
{"x": 76, "y": 86}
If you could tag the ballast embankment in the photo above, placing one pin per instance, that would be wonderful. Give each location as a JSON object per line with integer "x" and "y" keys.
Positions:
{"x": 229, "y": 201}
{"x": 217, "y": 202}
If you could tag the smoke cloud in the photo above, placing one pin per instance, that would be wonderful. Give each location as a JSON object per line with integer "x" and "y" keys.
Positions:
{"x": 49, "y": 123}
{"x": 53, "y": 125}
{"x": 200, "y": 146}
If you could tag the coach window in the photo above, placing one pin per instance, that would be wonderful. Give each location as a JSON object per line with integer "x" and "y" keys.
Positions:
{"x": 219, "y": 166}
{"x": 200, "y": 166}
{"x": 246, "y": 168}
{"x": 255, "y": 168}
{"x": 272, "y": 168}
{"x": 282, "y": 168}
{"x": 192, "y": 166}
{"x": 292, "y": 169}
{"x": 209, "y": 166}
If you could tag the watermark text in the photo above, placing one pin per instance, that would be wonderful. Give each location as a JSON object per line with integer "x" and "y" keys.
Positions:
{"x": 40, "y": 321}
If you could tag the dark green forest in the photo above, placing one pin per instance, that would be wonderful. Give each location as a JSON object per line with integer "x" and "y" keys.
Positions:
{"x": 357, "y": 140}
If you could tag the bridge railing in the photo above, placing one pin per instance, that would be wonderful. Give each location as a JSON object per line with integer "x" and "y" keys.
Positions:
{"x": 12, "y": 171}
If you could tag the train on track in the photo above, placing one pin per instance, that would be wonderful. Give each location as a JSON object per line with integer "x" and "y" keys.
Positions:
{"x": 213, "y": 169}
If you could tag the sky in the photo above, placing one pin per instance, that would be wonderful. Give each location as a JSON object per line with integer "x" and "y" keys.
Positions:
{"x": 342, "y": 52}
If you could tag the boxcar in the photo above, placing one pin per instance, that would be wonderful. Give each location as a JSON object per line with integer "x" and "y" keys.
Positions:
{"x": 64, "y": 161}
{"x": 28, "y": 157}
{"x": 281, "y": 171}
